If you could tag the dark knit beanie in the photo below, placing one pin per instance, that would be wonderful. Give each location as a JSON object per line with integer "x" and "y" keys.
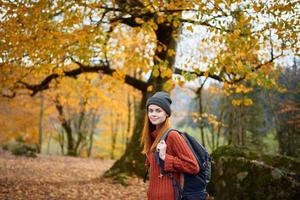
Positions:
{"x": 161, "y": 99}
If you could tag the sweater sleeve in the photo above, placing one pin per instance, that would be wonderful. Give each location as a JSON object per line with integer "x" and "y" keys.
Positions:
{"x": 182, "y": 159}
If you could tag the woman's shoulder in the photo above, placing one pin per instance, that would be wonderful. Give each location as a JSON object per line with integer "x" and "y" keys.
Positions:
{"x": 174, "y": 135}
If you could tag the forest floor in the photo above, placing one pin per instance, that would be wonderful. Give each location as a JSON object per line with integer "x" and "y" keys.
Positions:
{"x": 59, "y": 177}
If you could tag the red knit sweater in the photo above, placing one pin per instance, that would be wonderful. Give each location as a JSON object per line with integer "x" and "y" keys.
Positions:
{"x": 179, "y": 158}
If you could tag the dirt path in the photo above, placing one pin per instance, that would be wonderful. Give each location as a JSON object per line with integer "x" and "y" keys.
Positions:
{"x": 57, "y": 177}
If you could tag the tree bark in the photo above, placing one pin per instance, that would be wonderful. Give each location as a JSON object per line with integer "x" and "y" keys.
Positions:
{"x": 91, "y": 135}
{"x": 41, "y": 124}
{"x": 66, "y": 126}
{"x": 132, "y": 161}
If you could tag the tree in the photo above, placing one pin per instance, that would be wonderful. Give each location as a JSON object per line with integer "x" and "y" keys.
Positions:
{"x": 45, "y": 40}
{"x": 286, "y": 112}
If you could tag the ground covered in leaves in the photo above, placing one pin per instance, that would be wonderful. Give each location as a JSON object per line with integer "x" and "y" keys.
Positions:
{"x": 58, "y": 177}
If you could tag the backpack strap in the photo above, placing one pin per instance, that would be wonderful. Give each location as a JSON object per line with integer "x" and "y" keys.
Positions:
{"x": 159, "y": 161}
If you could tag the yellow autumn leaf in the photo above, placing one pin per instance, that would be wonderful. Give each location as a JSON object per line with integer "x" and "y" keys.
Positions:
{"x": 150, "y": 88}
{"x": 155, "y": 3}
{"x": 236, "y": 102}
{"x": 226, "y": 86}
{"x": 139, "y": 20}
{"x": 159, "y": 48}
{"x": 160, "y": 19}
{"x": 206, "y": 74}
{"x": 155, "y": 73}
{"x": 171, "y": 52}
{"x": 153, "y": 24}
{"x": 190, "y": 28}
{"x": 248, "y": 102}
{"x": 239, "y": 89}
{"x": 181, "y": 83}
{"x": 166, "y": 73}
{"x": 169, "y": 85}
{"x": 240, "y": 66}
{"x": 176, "y": 23}
{"x": 59, "y": 71}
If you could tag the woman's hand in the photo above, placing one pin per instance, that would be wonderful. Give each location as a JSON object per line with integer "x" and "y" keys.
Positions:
{"x": 161, "y": 149}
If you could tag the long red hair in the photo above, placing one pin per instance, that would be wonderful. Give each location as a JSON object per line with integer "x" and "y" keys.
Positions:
{"x": 147, "y": 141}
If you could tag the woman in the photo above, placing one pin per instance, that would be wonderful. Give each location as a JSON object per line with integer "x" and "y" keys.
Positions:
{"x": 176, "y": 154}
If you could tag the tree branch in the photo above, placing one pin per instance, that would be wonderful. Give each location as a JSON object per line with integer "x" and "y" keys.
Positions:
{"x": 44, "y": 84}
{"x": 198, "y": 74}
{"x": 219, "y": 78}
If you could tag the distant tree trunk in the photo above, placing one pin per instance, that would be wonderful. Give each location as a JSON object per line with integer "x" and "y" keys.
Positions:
{"x": 231, "y": 126}
{"x": 67, "y": 128}
{"x": 61, "y": 141}
{"x": 41, "y": 124}
{"x": 48, "y": 144}
{"x": 91, "y": 135}
{"x": 114, "y": 132}
{"x": 201, "y": 124}
{"x": 213, "y": 137}
{"x": 130, "y": 103}
{"x": 219, "y": 126}
{"x": 235, "y": 126}
{"x": 242, "y": 126}
{"x": 208, "y": 142}
{"x": 79, "y": 124}
{"x": 238, "y": 125}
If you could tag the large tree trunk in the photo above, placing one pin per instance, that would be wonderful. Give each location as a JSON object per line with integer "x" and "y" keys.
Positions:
{"x": 132, "y": 161}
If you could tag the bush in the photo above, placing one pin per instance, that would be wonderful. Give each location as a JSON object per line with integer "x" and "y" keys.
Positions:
{"x": 19, "y": 148}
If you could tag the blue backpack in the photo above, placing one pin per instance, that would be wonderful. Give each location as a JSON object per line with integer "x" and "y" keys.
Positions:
{"x": 194, "y": 187}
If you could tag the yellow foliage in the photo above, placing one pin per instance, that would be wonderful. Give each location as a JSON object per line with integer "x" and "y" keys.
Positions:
{"x": 153, "y": 24}
{"x": 247, "y": 102}
{"x": 169, "y": 85}
{"x": 236, "y": 102}
{"x": 161, "y": 19}
{"x": 176, "y": 23}
{"x": 139, "y": 20}
{"x": 171, "y": 52}
{"x": 190, "y": 28}
{"x": 242, "y": 89}
{"x": 150, "y": 88}
{"x": 20, "y": 117}
{"x": 38, "y": 37}
{"x": 155, "y": 72}
{"x": 159, "y": 48}
{"x": 206, "y": 74}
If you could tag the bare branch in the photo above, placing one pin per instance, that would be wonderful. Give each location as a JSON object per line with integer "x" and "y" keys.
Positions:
{"x": 44, "y": 84}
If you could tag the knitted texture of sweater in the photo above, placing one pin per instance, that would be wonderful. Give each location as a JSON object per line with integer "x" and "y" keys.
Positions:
{"x": 179, "y": 158}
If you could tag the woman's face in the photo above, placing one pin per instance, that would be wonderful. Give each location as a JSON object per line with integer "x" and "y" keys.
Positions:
{"x": 156, "y": 114}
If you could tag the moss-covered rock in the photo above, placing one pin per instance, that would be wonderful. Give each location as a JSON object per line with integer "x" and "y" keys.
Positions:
{"x": 239, "y": 173}
{"x": 20, "y": 149}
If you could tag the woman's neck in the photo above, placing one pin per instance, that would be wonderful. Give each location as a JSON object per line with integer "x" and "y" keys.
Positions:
{"x": 159, "y": 126}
